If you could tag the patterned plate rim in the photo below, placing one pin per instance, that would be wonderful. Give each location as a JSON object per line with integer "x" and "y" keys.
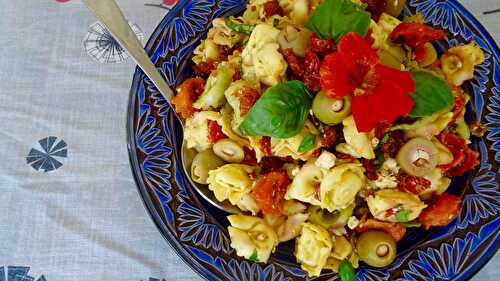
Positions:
{"x": 476, "y": 266}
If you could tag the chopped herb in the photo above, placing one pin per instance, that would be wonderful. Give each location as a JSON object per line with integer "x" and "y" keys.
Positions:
{"x": 384, "y": 140}
{"x": 346, "y": 271}
{"x": 402, "y": 215}
{"x": 307, "y": 143}
{"x": 411, "y": 224}
{"x": 254, "y": 256}
{"x": 380, "y": 158}
{"x": 240, "y": 28}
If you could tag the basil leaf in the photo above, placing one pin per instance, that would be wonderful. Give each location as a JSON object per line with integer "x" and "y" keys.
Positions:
{"x": 346, "y": 271}
{"x": 254, "y": 256}
{"x": 240, "y": 28}
{"x": 334, "y": 18}
{"x": 411, "y": 224}
{"x": 379, "y": 154}
{"x": 402, "y": 216}
{"x": 432, "y": 95}
{"x": 281, "y": 112}
{"x": 307, "y": 143}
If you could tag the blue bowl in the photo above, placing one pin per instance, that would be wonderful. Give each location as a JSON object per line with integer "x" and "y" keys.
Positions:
{"x": 197, "y": 231}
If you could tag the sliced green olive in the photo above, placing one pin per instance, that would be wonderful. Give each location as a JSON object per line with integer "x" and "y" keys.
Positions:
{"x": 331, "y": 111}
{"x": 417, "y": 157}
{"x": 394, "y": 7}
{"x": 204, "y": 162}
{"x": 430, "y": 55}
{"x": 376, "y": 248}
{"x": 326, "y": 219}
{"x": 229, "y": 151}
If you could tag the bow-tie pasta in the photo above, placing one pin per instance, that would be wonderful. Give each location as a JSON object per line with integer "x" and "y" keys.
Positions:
{"x": 252, "y": 237}
{"x": 231, "y": 182}
{"x": 313, "y": 248}
{"x": 340, "y": 186}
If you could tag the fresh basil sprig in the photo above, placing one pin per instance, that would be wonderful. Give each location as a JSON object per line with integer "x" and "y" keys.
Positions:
{"x": 346, "y": 271}
{"x": 281, "y": 112}
{"x": 334, "y": 18}
{"x": 432, "y": 95}
{"x": 240, "y": 28}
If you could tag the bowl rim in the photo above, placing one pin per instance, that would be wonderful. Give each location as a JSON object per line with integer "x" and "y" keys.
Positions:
{"x": 149, "y": 205}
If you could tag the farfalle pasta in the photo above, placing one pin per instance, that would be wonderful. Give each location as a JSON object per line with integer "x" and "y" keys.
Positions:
{"x": 336, "y": 137}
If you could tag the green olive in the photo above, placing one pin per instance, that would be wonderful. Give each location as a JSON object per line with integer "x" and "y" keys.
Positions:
{"x": 430, "y": 55}
{"x": 376, "y": 248}
{"x": 331, "y": 111}
{"x": 229, "y": 151}
{"x": 204, "y": 162}
{"x": 326, "y": 219}
{"x": 394, "y": 7}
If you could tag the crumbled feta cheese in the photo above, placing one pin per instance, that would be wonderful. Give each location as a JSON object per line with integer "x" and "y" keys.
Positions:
{"x": 386, "y": 175}
{"x": 326, "y": 160}
{"x": 375, "y": 142}
{"x": 353, "y": 222}
{"x": 390, "y": 164}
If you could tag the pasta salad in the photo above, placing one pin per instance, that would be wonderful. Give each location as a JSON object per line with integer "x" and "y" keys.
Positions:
{"x": 334, "y": 123}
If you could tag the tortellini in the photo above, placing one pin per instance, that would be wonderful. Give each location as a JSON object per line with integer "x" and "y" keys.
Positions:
{"x": 291, "y": 227}
{"x": 391, "y": 205}
{"x": 223, "y": 35}
{"x": 458, "y": 63}
{"x": 342, "y": 248}
{"x": 297, "y": 10}
{"x": 248, "y": 204}
{"x": 305, "y": 185}
{"x": 427, "y": 127}
{"x": 295, "y": 38}
{"x": 196, "y": 129}
{"x": 228, "y": 126}
{"x": 357, "y": 144}
{"x": 382, "y": 29}
{"x": 439, "y": 183}
{"x": 290, "y": 146}
{"x": 231, "y": 182}
{"x": 261, "y": 59}
{"x": 313, "y": 248}
{"x": 217, "y": 83}
{"x": 340, "y": 186}
{"x": 252, "y": 237}
{"x": 232, "y": 98}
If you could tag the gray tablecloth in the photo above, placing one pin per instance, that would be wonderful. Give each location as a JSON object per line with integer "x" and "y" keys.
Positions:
{"x": 69, "y": 209}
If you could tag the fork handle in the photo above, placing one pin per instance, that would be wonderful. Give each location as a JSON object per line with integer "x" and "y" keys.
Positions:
{"x": 110, "y": 15}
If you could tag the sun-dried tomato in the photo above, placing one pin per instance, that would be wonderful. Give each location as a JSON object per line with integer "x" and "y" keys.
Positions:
{"x": 269, "y": 192}
{"x": 458, "y": 107}
{"x": 215, "y": 133}
{"x": 205, "y": 68}
{"x": 375, "y": 7}
{"x": 442, "y": 212}
{"x": 317, "y": 191}
{"x": 311, "y": 62}
{"x": 272, "y": 8}
{"x": 247, "y": 97}
{"x": 393, "y": 143}
{"x": 344, "y": 156}
{"x": 396, "y": 230}
{"x": 295, "y": 65}
{"x": 320, "y": 46}
{"x": 370, "y": 170}
{"x": 420, "y": 53}
{"x": 187, "y": 93}
{"x": 250, "y": 158}
{"x": 415, "y": 34}
{"x": 270, "y": 164}
{"x": 381, "y": 129}
{"x": 464, "y": 158}
{"x": 330, "y": 136}
{"x": 312, "y": 81}
{"x": 265, "y": 146}
{"x": 412, "y": 184}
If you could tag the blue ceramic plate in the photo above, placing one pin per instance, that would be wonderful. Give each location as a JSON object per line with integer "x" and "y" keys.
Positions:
{"x": 198, "y": 232}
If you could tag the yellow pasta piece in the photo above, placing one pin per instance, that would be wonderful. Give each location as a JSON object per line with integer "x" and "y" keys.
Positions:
{"x": 398, "y": 201}
{"x": 458, "y": 63}
{"x": 231, "y": 182}
{"x": 196, "y": 129}
{"x": 357, "y": 144}
{"x": 304, "y": 185}
{"x": 340, "y": 186}
{"x": 252, "y": 237}
{"x": 312, "y": 248}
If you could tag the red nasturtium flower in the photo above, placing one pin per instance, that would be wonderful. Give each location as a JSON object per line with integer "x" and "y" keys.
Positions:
{"x": 380, "y": 93}
{"x": 416, "y": 35}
